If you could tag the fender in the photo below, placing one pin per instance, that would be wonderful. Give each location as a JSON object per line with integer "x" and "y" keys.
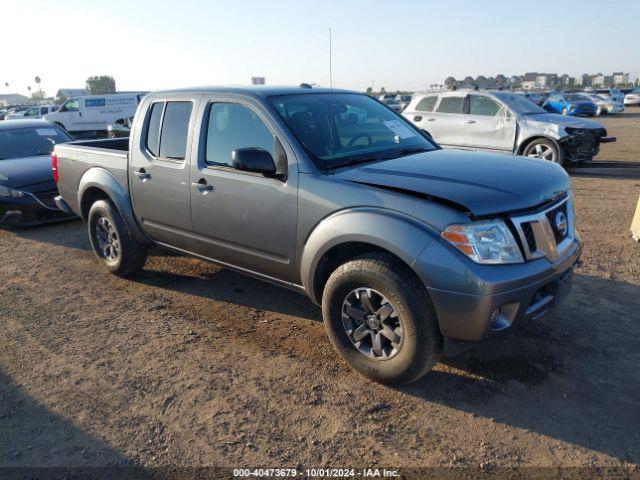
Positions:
{"x": 102, "y": 179}
{"x": 402, "y": 235}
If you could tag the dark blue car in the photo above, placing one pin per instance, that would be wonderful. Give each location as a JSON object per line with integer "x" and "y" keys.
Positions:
{"x": 570, "y": 104}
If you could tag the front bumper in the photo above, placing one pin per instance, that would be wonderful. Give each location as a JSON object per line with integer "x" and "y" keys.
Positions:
{"x": 583, "y": 146}
{"x": 515, "y": 294}
{"x": 28, "y": 211}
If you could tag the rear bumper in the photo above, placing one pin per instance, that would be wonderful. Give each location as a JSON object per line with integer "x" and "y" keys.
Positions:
{"x": 523, "y": 293}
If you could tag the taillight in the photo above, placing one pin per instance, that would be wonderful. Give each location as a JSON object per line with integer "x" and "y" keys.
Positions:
{"x": 54, "y": 167}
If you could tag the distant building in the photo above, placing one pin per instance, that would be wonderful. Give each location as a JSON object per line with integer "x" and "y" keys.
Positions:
{"x": 65, "y": 93}
{"x": 530, "y": 80}
{"x": 258, "y": 80}
{"x": 12, "y": 99}
{"x": 598, "y": 80}
{"x": 620, "y": 78}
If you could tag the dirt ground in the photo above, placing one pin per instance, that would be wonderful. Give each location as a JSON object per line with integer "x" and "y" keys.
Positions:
{"x": 191, "y": 365}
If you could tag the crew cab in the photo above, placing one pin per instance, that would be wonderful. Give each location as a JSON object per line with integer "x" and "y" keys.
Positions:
{"x": 504, "y": 122}
{"x": 410, "y": 250}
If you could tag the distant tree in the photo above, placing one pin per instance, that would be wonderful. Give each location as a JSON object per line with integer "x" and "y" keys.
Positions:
{"x": 369, "y": 91}
{"x": 101, "y": 84}
{"x": 38, "y": 96}
{"x": 38, "y": 80}
{"x": 383, "y": 91}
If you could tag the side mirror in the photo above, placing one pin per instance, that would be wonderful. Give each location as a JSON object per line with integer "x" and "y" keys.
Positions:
{"x": 254, "y": 160}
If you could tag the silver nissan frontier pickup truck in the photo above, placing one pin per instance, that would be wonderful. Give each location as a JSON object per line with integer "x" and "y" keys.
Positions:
{"x": 412, "y": 251}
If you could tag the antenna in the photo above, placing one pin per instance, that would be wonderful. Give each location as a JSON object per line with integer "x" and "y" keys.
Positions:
{"x": 330, "y": 94}
{"x": 330, "y": 62}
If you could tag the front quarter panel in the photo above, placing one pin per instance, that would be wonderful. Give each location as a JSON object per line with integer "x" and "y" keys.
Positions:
{"x": 401, "y": 235}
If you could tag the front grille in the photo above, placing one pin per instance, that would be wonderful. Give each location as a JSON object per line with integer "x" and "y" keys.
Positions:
{"x": 558, "y": 217}
{"x": 529, "y": 236}
{"x": 546, "y": 233}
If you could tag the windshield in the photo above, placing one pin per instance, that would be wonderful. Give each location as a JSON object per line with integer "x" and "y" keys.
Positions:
{"x": 519, "y": 104}
{"x": 29, "y": 142}
{"x": 347, "y": 128}
{"x": 577, "y": 97}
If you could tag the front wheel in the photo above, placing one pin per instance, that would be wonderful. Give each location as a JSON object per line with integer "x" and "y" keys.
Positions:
{"x": 111, "y": 241}
{"x": 544, "y": 149}
{"x": 380, "y": 319}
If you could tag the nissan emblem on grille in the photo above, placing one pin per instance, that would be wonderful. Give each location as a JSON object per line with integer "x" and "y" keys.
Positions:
{"x": 561, "y": 223}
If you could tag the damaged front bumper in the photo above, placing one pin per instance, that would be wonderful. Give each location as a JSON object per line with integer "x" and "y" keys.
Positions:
{"x": 582, "y": 144}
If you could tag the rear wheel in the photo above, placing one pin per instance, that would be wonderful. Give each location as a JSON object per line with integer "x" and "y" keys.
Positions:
{"x": 544, "y": 149}
{"x": 112, "y": 243}
{"x": 380, "y": 319}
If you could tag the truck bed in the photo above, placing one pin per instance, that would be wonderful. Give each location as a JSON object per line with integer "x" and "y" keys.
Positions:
{"x": 75, "y": 158}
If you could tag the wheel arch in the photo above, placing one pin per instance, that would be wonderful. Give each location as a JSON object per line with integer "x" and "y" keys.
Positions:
{"x": 348, "y": 234}
{"x": 538, "y": 136}
{"x": 99, "y": 184}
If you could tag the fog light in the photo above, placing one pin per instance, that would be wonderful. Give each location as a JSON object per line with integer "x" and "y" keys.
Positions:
{"x": 498, "y": 321}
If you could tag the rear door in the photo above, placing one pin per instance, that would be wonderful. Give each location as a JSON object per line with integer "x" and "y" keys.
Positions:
{"x": 488, "y": 126}
{"x": 241, "y": 218}
{"x": 159, "y": 170}
{"x": 421, "y": 114}
{"x": 446, "y": 123}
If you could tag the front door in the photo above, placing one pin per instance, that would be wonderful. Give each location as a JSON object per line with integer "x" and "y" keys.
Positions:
{"x": 159, "y": 171}
{"x": 241, "y": 218}
{"x": 488, "y": 125}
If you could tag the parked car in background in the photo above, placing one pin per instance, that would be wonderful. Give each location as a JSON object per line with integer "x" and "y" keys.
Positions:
{"x": 15, "y": 110}
{"x": 92, "y": 113}
{"x": 27, "y": 186}
{"x": 533, "y": 97}
{"x": 404, "y": 100}
{"x": 576, "y": 104}
{"x": 391, "y": 101}
{"x": 612, "y": 92}
{"x": 410, "y": 249}
{"x": 120, "y": 128}
{"x": 604, "y": 105}
{"x": 506, "y": 122}
{"x": 32, "y": 113}
{"x": 632, "y": 99}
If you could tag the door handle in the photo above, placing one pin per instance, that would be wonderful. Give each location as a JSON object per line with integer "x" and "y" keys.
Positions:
{"x": 431, "y": 120}
{"x": 202, "y": 185}
{"x": 417, "y": 118}
{"x": 142, "y": 174}
{"x": 471, "y": 121}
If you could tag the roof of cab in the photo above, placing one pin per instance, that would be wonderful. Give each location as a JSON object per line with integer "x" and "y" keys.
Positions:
{"x": 254, "y": 90}
{"x": 11, "y": 124}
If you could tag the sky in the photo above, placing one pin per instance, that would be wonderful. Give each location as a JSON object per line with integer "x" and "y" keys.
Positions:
{"x": 407, "y": 45}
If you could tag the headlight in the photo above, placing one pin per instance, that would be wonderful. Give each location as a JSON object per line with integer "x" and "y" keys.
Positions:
{"x": 10, "y": 192}
{"x": 487, "y": 241}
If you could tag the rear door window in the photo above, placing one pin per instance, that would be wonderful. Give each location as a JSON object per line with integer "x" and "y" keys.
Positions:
{"x": 426, "y": 104}
{"x": 175, "y": 128}
{"x": 451, "y": 105}
{"x": 153, "y": 128}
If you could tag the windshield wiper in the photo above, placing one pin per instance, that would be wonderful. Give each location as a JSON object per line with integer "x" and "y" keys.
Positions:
{"x": 404, "y": 152}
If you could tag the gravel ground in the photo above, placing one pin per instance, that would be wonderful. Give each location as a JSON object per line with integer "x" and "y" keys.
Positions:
{"x": 191, "y": 365}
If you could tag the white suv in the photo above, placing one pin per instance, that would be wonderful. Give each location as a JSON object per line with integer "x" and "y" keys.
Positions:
{"x": 501, "y": 121}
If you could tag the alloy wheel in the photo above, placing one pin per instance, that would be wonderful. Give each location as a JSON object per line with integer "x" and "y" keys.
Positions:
{"x": 108, "y": 241}
{"x": 542, "y": 151}
{"x": 372, "y": 323}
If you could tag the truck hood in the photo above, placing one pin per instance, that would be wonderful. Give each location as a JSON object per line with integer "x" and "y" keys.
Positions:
{"x": 24, "y": 172}
{"x": 562, "y": 120}
{"x": 482, "y": 183}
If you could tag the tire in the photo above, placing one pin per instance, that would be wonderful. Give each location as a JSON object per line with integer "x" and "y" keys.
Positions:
{"x": 121, "y": 254}
{"x": 544, "y": 149}
{"x": 413, "y": 319}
